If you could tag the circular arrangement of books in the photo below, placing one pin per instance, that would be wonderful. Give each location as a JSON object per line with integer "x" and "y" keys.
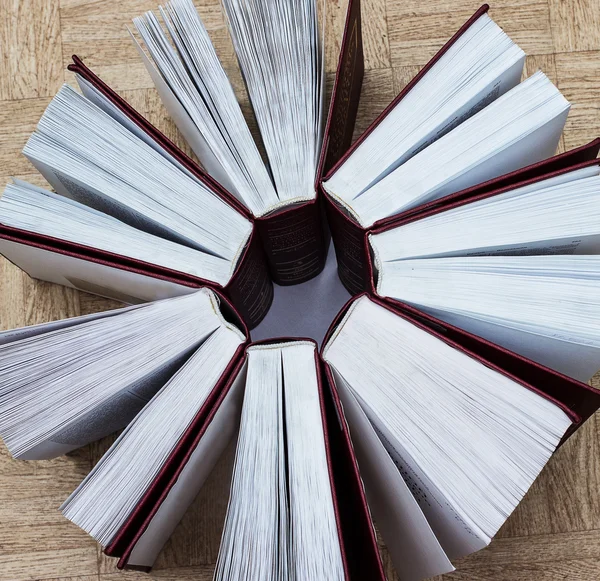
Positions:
{"x": 460, "y": 255}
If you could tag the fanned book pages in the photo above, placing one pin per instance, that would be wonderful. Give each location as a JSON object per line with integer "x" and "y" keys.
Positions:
{"x": 515, "y": 267}
{"x": 543, "y": 307}
{"x": 441, "y": 388}
{"x": 281, "y": 502}
{"x": 281, "y": 59}
{"x": 483, "y": 64}
{"x": 67, "y": 383}
{"x": 296, "y": 495}
{"x": 113, "y": 176}
{"x": 198, "y": 95}
{"x": 462, "y": 120}
{"x": 86, "y": 155}
{"x": 137, "y": 493}
{"x": 36, "y": 210}
{"x": 521, "y": 127}
{"x": 257, "y": 220}
{"x": 467, "y": 440}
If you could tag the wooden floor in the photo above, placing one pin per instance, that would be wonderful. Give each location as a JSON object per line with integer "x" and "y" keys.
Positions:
{"x": 554, "y": 534}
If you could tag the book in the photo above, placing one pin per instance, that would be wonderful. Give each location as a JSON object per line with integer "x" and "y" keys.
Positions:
{"x": 465, "y": 114}
{"x": 70, "y": 382}
{"x": 161, "y": 460}
{"x": 100, "y": 168}
{"x": 529, "y": 249}
{"x": 282, "y": 502}
{"x": 442, "y": 387}
{"x": 288, "y": 243}
{"x": 450, "y": 431}
{"x": 295, "y": 484}
{"x": 354, "y": 256}
{"x": 311, "y": 426}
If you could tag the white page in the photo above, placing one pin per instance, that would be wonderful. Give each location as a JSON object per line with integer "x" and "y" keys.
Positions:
{"x": 278, "y": 50}
{"x": 42, "y": 212}
{"x": 281, "y": 502}
{"x": 457, "y": 535}
{"x": 553, "y": 298}
{"x": 553, "y": 216}
{"x": 100, "y": 100}
{"x": 91, "y": 277}
{"x": 10, "y": 335}
{"x": 413, "y": 546}
{"x": 103, "y": 502}
{"x": 479, "y": 67}
{"x": 186, "y": 125}
{"x": 315, "y": 543}
{"x": 185, "y": 59}
{"x": 519, "y": 128}
{"x": 223, "y": 427}
{"x": 84, "y": 152}
{"x": 78, "y": 383}
{"x": 257, "y": 513}
{"x": 574, "y": 360}
{"x": 467, "y": 438}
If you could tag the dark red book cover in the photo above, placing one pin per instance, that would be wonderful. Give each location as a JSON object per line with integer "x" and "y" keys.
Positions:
{"x": 580, "y": 399}
{"x": 295, "y": 238}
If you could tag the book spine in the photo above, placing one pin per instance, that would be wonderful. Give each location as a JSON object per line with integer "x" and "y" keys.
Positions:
{"x": 350, "y": 249}
{"x": 250, "y": 290}
{"x": 295, "y": 243}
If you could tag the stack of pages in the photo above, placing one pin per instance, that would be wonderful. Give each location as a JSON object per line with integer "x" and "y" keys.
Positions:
{"x": 442, "y": 387}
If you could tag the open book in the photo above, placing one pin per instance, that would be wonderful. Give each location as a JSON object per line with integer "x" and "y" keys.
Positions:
{"x": 515, "y": 265}
{"x": 449, "y": 432}
{"x": 462, "y": 120}
{"x": 251, "y": 220}
{"x": 67, "y": 383}
{"x": 198, "y": 95}
{"x": 296, "y": 497}
{"x": 170, "y": 229}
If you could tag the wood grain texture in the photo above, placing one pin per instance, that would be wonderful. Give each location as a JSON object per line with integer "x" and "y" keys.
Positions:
{"x": 30, "y": 49}
{"x": 553, "y": 535}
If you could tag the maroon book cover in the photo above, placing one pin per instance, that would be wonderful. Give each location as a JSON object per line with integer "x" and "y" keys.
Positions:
{"x": 250, "y": 287}
{"x": 297, "y": 239}
{"x": 348, "y": 235}
{"x": 294, "y": 238}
